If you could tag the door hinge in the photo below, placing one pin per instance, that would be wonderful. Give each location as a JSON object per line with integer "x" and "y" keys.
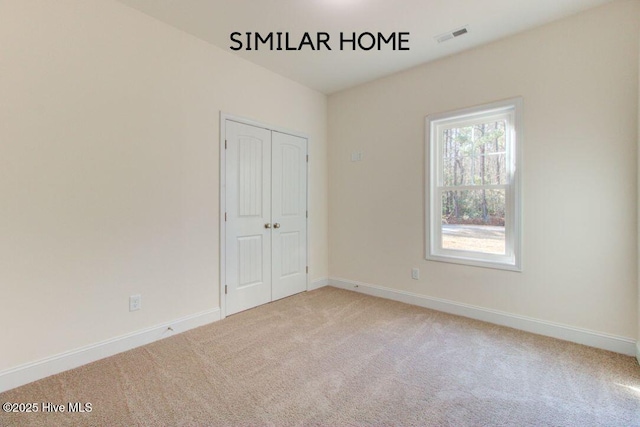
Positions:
{"x": 225, "y": 217}
{"x": 307, "y": 269}
{"x": 225, "y": 144}
{"x": 307, "y": 158}
{"x": 307, "y": 214}
{"x": 225, "y": 289}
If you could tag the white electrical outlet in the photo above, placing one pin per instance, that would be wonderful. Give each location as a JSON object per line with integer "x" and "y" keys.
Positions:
{"x": 415, "y": 273}
{"x": 135, "y": 302}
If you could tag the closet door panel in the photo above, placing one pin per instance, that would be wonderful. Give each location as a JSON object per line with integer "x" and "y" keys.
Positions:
{"x": 248, "y": 205}
{"x": 289, "y": 214}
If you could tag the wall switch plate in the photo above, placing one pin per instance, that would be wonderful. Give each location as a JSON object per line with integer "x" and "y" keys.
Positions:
{"x": 415, "y": 273}
{"x": 135, "y": 302}
{"x": 357, "y": 156}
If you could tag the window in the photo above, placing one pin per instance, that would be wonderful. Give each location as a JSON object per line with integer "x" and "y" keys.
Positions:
{"x": 473, "y": 185}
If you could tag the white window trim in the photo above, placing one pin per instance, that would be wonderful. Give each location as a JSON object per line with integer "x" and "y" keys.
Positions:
{"x": 513, "y": 223}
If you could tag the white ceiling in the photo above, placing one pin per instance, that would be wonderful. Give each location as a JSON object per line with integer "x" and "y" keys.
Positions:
{"x": 331, "y": 71}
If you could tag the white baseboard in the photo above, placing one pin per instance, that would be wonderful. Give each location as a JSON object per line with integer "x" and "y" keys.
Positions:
{"x": 587, "y": 337}
{"x": 33, "y": 371}
{"x": 318, "y": 283}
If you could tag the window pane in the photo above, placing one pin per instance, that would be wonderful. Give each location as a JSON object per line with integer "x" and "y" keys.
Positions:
{"x": 473, "y": 220}
{"x": 474, "y": 155}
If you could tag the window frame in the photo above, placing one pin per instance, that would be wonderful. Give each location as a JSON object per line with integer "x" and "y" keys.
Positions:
{"x": 435, "y": 124}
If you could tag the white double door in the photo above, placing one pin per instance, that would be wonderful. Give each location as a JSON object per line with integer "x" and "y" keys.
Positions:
{"x": 266, "y": 215}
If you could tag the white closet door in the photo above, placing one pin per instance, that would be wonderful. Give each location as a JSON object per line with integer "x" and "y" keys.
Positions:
{"x": 248, "y": 205}
{"x": 289, "y": 214}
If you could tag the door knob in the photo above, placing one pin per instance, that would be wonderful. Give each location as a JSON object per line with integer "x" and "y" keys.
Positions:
{"x": 276, "y": 225}
{"x": 267, "y": 225}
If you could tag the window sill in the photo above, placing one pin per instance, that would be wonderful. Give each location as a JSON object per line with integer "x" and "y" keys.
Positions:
{"x": 474, "y": 262}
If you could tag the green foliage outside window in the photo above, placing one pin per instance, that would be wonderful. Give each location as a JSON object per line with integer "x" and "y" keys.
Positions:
{"x": 474, "y": 156}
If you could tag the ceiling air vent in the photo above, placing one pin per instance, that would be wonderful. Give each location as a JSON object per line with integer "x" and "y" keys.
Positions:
{"x": 452, "y": 34}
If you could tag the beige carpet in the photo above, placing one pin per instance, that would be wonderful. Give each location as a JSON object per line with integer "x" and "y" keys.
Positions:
{"x": 332, "y": 357}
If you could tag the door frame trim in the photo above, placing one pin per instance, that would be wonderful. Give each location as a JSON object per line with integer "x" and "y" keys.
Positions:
{"x": 222, "y": 196}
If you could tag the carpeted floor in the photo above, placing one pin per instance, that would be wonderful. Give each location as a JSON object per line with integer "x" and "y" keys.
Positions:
{"x": 333, "y": 357}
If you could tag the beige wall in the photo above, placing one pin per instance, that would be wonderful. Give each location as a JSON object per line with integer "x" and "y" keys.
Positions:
{"x": 579, "y": 81}
{"x": 109, "y": 166}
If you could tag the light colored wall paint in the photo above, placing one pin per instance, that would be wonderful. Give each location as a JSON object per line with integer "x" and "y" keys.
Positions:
{"x": 579, "y": 81}
{"x": 109, "y": 170}
{"x": 638, "y": 338}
